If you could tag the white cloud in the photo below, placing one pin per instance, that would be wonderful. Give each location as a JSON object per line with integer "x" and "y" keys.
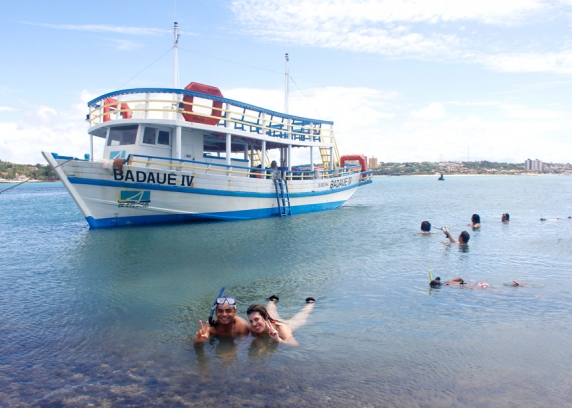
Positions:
{"x": 124, "y": 45}
{"x": 521, "y": 112}
{"x": 435, "y": 110}
{"x": 423, "y": 29}
{"x": 316, "y": 12}
{"x": 559, "y": 62}
{"x": 99, "y": 28}
{"x": 6, "y": 109}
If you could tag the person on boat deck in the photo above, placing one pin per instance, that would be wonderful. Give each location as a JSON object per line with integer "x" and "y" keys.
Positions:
{"x": 435, "y": 283}
{"x": 266, "y": 322}
{"x": 426, "y": 228}
{"x": 227, "y": 323}
{"x": 256, "y": 173}
{"x": 505, "y": 217}
{"x": 475, "y": 221}
{"x": 462, "y": 240}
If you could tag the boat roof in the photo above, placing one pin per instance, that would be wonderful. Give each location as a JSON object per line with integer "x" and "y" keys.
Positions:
{"x": 94, "y": 102}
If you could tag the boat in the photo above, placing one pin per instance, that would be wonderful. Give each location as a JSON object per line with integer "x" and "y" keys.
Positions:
{"x": 441, "y": 178}
{"x": 176, "y": 155}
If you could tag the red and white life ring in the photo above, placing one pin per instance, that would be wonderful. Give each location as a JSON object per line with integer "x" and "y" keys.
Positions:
{"x": 357, "y": 157}
{"x": 110, "y": 103}
{"x": 215, "y": 111}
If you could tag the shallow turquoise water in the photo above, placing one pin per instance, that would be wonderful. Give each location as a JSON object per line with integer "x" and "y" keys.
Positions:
{"x": 106, "y": 317}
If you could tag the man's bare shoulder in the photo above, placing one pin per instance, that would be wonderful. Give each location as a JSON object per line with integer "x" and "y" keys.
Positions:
{"x": 241, "y": 326}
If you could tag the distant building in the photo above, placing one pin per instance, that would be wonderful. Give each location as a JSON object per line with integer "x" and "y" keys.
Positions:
{"x": 372, "y": 163}
{"x": 533, "y": 165}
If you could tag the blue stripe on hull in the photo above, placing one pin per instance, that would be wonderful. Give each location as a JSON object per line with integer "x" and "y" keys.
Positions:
{"x": 226, "y": 216}
{"x": 193, "y": 190}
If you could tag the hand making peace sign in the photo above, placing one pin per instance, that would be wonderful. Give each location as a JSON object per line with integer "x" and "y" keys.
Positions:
{"x": 203, "y": 333}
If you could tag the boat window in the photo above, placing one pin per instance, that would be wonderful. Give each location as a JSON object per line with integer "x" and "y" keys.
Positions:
{"x": 149, "y": 135}
{"x": 164, "y": 138}
{"x": 122, "y": 135}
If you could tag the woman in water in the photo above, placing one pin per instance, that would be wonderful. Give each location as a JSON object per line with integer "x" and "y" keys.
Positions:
{"x": 475, "y": 221}
{"x": 266, "y": 322}
{"x": 505, "y": 217}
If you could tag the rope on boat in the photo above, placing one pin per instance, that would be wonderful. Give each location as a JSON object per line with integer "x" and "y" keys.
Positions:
{"x": 46, "y": 172}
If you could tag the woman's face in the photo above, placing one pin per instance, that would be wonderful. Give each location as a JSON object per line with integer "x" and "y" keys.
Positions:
{"x": 257, "y": 323}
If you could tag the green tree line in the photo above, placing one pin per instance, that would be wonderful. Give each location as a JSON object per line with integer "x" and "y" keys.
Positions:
{"x": 33, "y": 171}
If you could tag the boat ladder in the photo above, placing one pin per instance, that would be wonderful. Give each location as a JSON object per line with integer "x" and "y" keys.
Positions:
{"x": 282, "y": 196}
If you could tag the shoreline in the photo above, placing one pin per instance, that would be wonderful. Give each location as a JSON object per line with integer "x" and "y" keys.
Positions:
{"x": 469, "y": 175}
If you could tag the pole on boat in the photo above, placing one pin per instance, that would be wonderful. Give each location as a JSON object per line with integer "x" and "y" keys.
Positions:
{"x": 286, "y": 162}
{"x": 286, "y": 83}
{"x": 176, "y": 55}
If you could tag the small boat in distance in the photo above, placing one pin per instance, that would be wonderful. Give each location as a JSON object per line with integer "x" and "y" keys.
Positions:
{"x": 441, "y": 178}
{"x": 174, "y": 155}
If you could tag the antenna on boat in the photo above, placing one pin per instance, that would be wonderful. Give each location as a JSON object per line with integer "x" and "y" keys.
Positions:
{"x": 176, "y": 56}
{"x": 287, "y": 74}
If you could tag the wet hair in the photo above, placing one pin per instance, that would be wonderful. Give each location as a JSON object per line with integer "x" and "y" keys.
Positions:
{"x": 426, "y": 226}
{"x": 476, "y": 219}
{"x": 466, "y": 237}
{"x": 262, "y": 310}
{"x": 507, "y": 217}
{"x": 435, "y": 283}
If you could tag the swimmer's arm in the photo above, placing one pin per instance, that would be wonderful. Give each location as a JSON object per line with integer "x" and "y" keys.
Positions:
{"x": 448, "y": 235}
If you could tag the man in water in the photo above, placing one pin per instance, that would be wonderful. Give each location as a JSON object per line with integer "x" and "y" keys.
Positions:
{"x": 227, "y": 323}
{"x": 462, "y": 240}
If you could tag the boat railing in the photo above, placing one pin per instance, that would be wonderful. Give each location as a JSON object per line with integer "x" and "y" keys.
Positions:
{"x": 202, "y": 167}
{"x": 218, "y": 112}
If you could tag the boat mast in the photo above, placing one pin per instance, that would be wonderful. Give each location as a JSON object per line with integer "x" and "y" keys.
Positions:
{"x": 287, "y": 77}
{"x": 284, "y": 152}
{"x": 176, "y": 56}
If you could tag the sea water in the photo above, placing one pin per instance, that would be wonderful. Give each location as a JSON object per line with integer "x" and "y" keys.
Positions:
{"x": 106, "y": 317}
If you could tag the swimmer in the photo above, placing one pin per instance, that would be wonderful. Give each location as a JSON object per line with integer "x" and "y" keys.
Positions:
{"x": 462, "y": 240}
{"x": 228, "y": 324}
{"x": 475, "y": 221}
{"x": 515, "y": 283}
{"x": 505, "y": 217}
{"x": 458, "y": 282}
{"x": 426, "y": 228}
{"x": 266, "y": 322}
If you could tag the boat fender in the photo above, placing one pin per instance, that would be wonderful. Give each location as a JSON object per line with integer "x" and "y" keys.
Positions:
{"x": 216, "y": 111}
{"x": 118, "y": 164}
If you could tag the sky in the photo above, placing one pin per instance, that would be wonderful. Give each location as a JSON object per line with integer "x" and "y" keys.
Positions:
{"x": 403, "y": 80}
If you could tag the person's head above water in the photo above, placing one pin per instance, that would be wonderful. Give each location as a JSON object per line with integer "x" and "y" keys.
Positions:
{"x": 225, "y": 310}
{"x": 258, "y": 316}
{"x": 505, "y": 217}
{"x": 476, "y": 219}
{"x": 425, "y": 226}
{"x": 464, "y": 237}
{"x": 435, "y": 283}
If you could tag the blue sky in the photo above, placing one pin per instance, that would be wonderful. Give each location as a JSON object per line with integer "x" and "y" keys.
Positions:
{"x": 417, "y": 80}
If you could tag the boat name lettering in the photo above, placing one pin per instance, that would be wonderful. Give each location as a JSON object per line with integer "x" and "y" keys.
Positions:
{"x": 152, "y": 178}
{"x": 340, "y": 183}
{"x": 323, "y": 184}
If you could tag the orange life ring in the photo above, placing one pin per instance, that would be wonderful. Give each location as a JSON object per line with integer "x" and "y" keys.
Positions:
{"x": 109, "y": 103}
{"x": 215, "y": 111}
{"x": 357, "y": 157}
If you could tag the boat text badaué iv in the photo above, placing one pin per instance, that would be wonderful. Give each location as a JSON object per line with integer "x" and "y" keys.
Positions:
{"x": 181, "y": 154}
